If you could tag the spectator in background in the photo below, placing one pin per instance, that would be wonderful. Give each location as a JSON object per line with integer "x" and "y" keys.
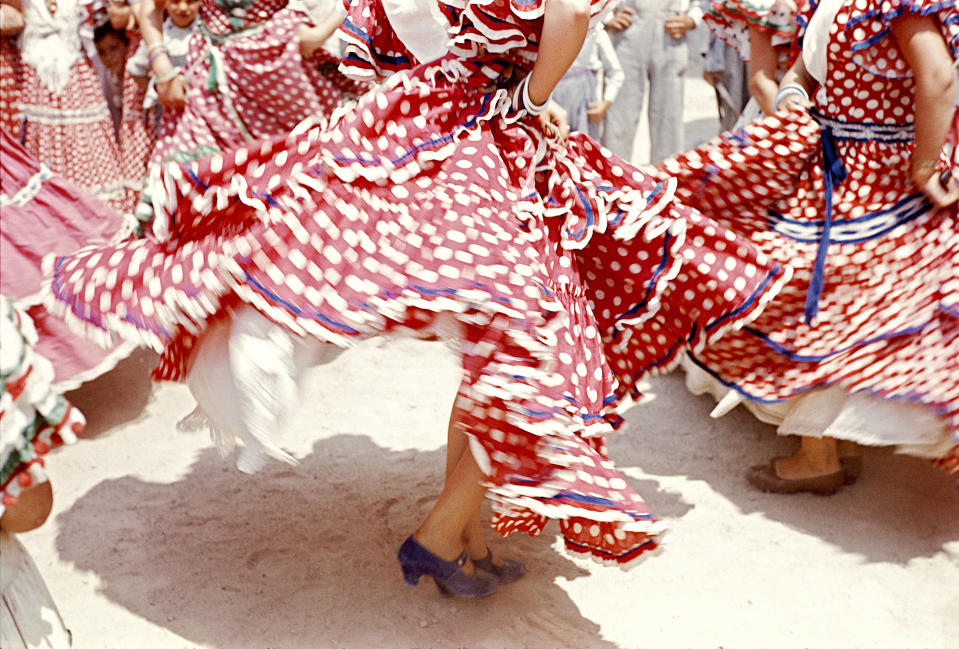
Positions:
{"x": 650, "y": 40}
{"x": 177, "y": 28}
{"x": 591, "y": 84}
{"x": 725, "y": 71}
{"x": 67, "y": 122}
{"x": 11, "y": 72}
{"x": 111, "y": 44}
{"x": 762, "y": 32}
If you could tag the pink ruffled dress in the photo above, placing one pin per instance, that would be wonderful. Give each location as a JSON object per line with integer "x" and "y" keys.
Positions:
{"x": 41, "y": 213}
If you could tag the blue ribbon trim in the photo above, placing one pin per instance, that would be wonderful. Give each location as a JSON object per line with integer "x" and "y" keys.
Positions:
{"x": 834, "y": 173}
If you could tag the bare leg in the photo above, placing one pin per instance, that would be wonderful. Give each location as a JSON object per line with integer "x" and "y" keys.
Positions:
{"x": 816, "y": 457}
{"x": 456, "y": 445}
{"x": 442, "y": 531}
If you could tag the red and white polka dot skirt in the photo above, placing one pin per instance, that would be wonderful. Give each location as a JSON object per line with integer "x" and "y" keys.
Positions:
{"x": 11, "y": 81}
{"x": 885, "y": 320}
{"x": 138, "y": 133}
{"x": 72, "y": 132}
{"x": 572, "y": 274}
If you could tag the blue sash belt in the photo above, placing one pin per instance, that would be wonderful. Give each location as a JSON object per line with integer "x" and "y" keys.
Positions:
{"x": 834, "y": 173}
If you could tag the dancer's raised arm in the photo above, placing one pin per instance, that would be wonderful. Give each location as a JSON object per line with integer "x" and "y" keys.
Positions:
{"x": 171, "y": 89}
{"x": 312, "y": 37}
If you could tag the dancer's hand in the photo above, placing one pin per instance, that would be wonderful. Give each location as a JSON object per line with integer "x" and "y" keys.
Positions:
{"x": 621, "y": 20}
{"x": 555, "y": 121}
{"x": 712, "y": 78}
{"x": 677, "y": 26}
{"x": 939, "y": 188}
{"x": 120, "y": 14}
{"x": 11, "y": 21}
{"x": 597, "y": 110}
{"x": 793, "y": 102}
{"x": 172, "y": 93}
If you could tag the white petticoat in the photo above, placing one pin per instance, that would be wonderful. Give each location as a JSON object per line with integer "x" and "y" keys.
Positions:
{"x": 832, "y": 412}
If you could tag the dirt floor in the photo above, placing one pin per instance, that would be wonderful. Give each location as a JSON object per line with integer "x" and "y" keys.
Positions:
{"x": 157, "y": 542}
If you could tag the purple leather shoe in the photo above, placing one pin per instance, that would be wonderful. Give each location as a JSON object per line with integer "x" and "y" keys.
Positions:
{"x": 416, "y": 561}
{"x": 510, "y": 571}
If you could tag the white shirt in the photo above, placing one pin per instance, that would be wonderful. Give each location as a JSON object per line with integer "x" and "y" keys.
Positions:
{"x": 598, "y": 54}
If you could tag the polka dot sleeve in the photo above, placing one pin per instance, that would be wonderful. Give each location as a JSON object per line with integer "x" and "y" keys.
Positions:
{"x": 803, "y": 14}
{"x": 731, "y": 21}
{"x": 869, "y": 30}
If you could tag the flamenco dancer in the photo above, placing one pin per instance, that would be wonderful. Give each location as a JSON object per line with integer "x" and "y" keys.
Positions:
{"x": 446, "y": 200}
{"x": 34, "y": 417}
{"x": 254, "y": 68}
{"x": 863, "y": 346}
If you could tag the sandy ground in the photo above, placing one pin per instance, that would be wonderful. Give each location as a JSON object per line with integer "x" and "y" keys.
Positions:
{"x": 156, "y": 542}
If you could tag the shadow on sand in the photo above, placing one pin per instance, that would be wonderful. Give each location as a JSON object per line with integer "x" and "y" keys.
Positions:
{"x": 305, "y": 557}
{"x": 901, "y": 508}
{"x": 127, "y": 389}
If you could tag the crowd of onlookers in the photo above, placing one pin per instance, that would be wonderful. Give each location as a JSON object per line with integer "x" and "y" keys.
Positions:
{"x": 637, "y": 58}
{"x": 78, "y": 89}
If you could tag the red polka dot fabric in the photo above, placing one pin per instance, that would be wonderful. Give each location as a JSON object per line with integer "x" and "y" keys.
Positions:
{"x": 72, "y": 132}
{"x": 138, "y": 133}
{"x": 573, "y": 274}
{"x": 11, "y": 81}
{"x": 70, "y": 129}
{"x": 244, "y": 85}
{"x": 887, "y": 321}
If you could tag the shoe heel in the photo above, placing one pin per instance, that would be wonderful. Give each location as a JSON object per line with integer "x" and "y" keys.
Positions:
{"x": 411, "y": 574}
{"x": 416, "y": 561}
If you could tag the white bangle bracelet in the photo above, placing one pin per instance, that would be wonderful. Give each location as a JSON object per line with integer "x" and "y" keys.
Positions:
{"x": 169, "y": 76}
{"x": 522, "y": 101}
{"x": 785, "y": 91}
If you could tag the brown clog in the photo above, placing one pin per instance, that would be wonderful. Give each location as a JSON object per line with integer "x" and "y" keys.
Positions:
{"x": 764, "y": 478}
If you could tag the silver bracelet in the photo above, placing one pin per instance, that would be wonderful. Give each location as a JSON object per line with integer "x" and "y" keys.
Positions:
{"x": 790, "y": 89}
{"x": 522, "y": 101}
{"x": 169, "y": 76}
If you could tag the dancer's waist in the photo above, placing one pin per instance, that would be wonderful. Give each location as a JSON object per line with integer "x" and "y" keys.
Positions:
{"x": 866, "y": 131}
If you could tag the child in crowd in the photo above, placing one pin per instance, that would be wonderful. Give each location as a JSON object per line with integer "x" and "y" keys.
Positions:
{"x": 111, "y": 44}
{"x": 177, "y": 29}
{"x": 579, "y": 90}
